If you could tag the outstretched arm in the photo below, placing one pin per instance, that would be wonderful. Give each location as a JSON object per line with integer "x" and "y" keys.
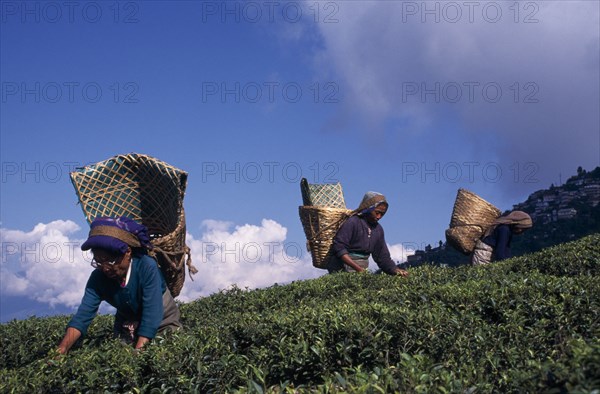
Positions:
{"x": 381, "y": 255}
{"x": 71, "y": 336}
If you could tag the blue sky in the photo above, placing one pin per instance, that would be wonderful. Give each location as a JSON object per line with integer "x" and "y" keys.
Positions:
{"x": 410, "y": 99}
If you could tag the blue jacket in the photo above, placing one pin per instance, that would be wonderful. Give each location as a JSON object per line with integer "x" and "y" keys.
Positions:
{"x": 140, "y": 300}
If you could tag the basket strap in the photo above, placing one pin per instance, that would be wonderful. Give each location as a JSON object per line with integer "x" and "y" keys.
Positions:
{"x": 117, "y": 233}
{"x": 187, "y": 252}
{"x": 191, "y": 269}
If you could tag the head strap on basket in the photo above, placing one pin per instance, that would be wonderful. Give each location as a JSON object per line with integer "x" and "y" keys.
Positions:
{"x": 117, "y": 233}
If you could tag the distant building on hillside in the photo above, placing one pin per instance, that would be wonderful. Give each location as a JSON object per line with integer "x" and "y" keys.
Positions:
{"x": 566, "y": 213}
{"x": 415, "y": 259}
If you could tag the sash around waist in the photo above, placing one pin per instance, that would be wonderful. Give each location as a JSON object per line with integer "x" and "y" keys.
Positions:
{"x": 359, "y": 256}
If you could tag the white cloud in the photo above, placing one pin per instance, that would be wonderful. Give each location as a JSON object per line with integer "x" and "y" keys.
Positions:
{"x": 248, "y": 255}
{"x": 46, "y": 265}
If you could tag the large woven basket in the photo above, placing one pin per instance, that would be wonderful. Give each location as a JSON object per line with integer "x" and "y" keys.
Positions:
{"x": 471, "y": 216}
{"x": 320, "y": 226}
{"x": 322, "y": 195}
{"x": 149, "y": 191}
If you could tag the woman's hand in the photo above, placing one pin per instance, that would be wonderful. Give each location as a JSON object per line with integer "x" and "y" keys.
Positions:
{"x": 141, "y": 342}
{"x": 401, "y": 272}
{"x": 71, "y": 336}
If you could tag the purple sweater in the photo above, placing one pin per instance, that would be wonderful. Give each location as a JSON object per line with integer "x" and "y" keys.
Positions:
{"x": 353, "y": 237}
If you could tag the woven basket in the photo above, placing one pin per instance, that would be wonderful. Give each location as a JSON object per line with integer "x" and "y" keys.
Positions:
{"x": 322, "y": 195}
{"x": 146, "y": 190}
{"x": 320, "y": 226}
{"x": 471, "y": 216}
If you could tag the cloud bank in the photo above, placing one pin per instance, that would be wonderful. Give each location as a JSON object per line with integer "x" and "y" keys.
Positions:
{"x": 512, "y": 81}
{"x": 46, "y": 264}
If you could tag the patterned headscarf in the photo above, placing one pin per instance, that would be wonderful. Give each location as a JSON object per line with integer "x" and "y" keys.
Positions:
{"x": 370, "y": 201}
{"x": 116, "y": 235}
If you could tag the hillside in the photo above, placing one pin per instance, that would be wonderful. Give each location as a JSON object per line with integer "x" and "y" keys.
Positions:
{"x": 527, "y": 324}
{"x": 560, "y": 214}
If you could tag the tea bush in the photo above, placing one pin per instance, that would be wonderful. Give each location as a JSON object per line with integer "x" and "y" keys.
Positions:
{"x": 528, "y": 324}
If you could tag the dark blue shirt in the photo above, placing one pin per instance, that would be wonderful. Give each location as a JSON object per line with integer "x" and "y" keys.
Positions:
{"x": 353, "y": 237}
{"x": 500, "y": 240}
{"x": 140, "y": 300}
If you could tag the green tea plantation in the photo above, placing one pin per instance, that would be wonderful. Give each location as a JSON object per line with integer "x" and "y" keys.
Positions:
{"x": 528, "y": 324}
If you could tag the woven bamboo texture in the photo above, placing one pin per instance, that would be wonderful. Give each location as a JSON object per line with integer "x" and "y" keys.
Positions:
{"x": 322, "y": 195}
{"x": 471, "y": 217}
{"x": 149, "y": 191}
{"x": 320, "y": 226}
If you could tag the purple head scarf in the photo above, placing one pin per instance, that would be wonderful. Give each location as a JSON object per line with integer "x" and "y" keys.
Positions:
{"x": 116, "y": 235}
